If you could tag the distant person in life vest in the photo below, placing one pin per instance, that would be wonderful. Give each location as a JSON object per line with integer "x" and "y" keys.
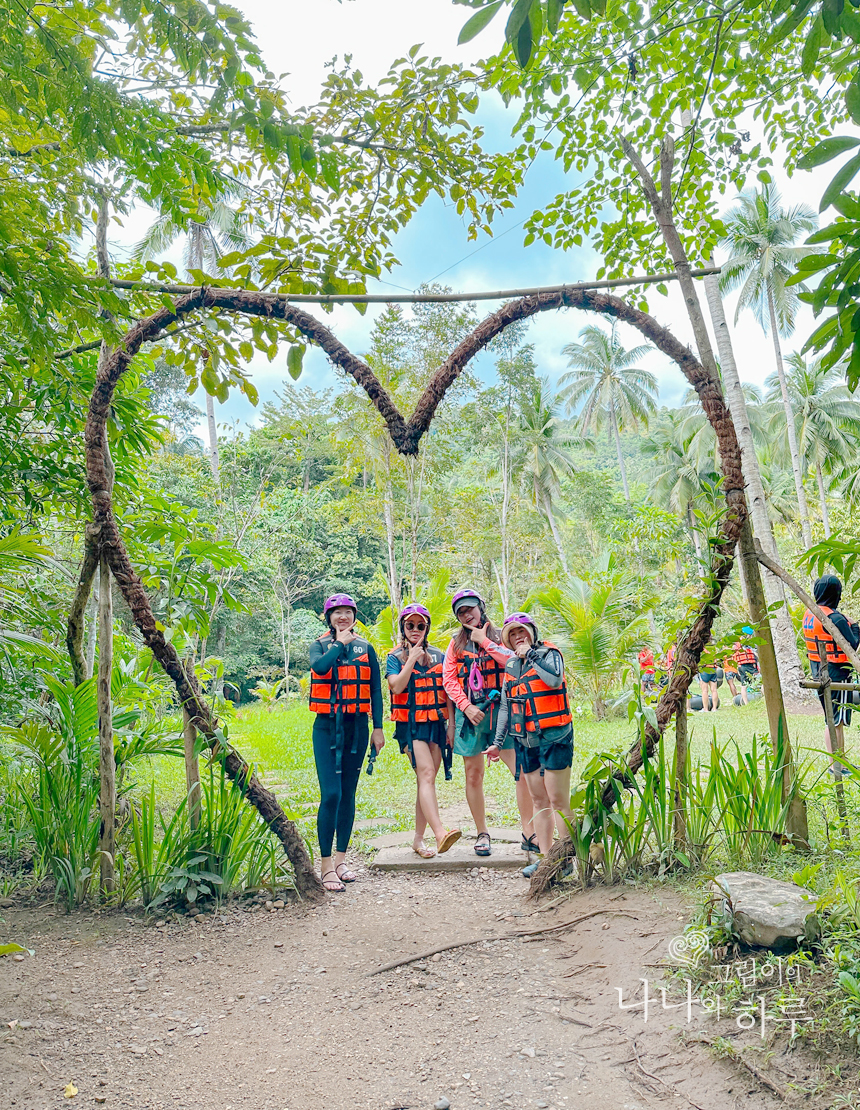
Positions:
{"x": 345, "y": 691}
{"x": 745, "y": 663}
{"x": 424, "y": 717}
{"x": 535, "y": 711}
{"x": 647, "y": 668}
{"x": 821, "y": 648}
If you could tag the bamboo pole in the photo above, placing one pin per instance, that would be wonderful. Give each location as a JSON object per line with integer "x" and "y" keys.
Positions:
{"x": 107, "y": 761}
{"x": 425, "y": 298}
{"x": 192, "y": 770}
{"x": 679, "y": 789}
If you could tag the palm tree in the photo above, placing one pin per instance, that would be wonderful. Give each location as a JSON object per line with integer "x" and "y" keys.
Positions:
{"x": 683, "y": 462}
{"x": 827, "y": 419}
{"x": 604, "y": 380}
{"x": 599, "y": 625}
{"x": 542, "y": 453}
{"x": 760, "y": 237}
{"x": 219, "y": 228}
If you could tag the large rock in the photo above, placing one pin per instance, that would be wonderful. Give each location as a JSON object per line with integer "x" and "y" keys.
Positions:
{"x": 765, "y": 912}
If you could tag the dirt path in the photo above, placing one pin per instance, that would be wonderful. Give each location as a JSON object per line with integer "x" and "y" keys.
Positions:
{"x": 275, "y": 1010}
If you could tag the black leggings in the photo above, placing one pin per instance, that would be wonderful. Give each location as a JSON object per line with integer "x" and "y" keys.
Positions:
{"x": 337, "y": 789}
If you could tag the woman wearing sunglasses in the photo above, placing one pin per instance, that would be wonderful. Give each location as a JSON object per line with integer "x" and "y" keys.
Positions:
{"x": 472, "y": 674}
{"x": 346, "y": 689}
{"x": 424, "y": 723}
{"x": 535, "y": 712}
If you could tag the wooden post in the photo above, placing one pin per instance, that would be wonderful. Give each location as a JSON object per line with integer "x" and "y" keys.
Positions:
{"x": 836, "y": 747}
{"x": 796, "y": 822}
{"x": 192, "y": 770}
{"x": 107, "y": 762}
{"x": 679, "y": 787}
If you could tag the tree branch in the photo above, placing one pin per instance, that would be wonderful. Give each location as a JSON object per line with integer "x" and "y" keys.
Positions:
{"x": 75, "y": 619}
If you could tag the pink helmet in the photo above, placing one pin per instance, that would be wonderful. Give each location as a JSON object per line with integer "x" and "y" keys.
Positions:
{"x": 336, "y": 601}
{"x": 523, "y": 620}
{"x": 467, "y": 596}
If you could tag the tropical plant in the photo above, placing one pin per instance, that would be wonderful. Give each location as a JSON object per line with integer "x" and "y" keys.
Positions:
{"x": 604, "y": 380}
{"x": 600, "y": 627}
{"x": 542, "y": 454}
{"x": 760, "y": 236}
{"x": 827, "y": 420}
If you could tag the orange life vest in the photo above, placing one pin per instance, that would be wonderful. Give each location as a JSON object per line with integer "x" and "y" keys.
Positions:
{"x": 743, "y": 655}
{"x": 534, "y": 706}
{"x": 424, "y": 698}
{"x": 492, "y": 672}
{"x": 814, "y": 633}
{"x": 347, "y": 685}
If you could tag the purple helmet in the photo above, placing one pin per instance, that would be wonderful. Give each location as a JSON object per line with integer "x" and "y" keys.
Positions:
{"x": 417, "y": 610}
{"x": 466, "y": 597}
{"x": 336, "y": 601}
{"x": 523, "y": 620}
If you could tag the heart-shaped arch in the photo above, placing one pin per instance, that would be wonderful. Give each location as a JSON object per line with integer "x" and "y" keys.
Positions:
{"x": 406, "y": 435}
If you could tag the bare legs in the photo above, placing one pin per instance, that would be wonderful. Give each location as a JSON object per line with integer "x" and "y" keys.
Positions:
{"x": 474, "y": 768}
{"x": 550, "y": 796}
{"x": 706, "y": 688}
{"x": 524, "y": 797}
{"x": 428, "y": 759}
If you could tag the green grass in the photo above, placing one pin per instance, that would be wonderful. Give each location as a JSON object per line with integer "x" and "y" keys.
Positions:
{"x": 279, "y": 744}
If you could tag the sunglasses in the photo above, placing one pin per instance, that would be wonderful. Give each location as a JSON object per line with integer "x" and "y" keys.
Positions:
{"x": 415, "y": 627}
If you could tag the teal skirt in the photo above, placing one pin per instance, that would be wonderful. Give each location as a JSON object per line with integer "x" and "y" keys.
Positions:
{"x": 475, "y": 742}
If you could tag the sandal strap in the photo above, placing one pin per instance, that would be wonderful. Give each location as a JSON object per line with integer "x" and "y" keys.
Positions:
{"x": 483, "y": 836}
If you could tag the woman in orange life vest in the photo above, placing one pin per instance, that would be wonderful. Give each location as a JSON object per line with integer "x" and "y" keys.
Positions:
{"x": 822, "y": 649}
{"x": 472, "y": 676}
{"x": 536, "y": 712}
{"x": 647, "y": 669}
{"x": 345, "y": 690}
{"x": 424, "y": 721}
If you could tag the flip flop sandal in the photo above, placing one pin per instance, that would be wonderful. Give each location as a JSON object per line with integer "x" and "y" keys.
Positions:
{"x": 483, "y": 845}
{"x": 345, "y": 876}
{"x": 449, "y": 840}
{"x": 328, "y": 884}
{"x": 529, "y": 843}
{"x": 424, "y": 852}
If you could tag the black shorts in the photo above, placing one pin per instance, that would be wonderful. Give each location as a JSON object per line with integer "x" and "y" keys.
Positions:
{"x": 548, "y": 756}
{"x": 747, "y": 671}
{"x": 839, "y": 699}
{"x": 708, "y": 676}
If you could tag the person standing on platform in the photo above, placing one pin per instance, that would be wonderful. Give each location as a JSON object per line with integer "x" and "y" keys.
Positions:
{"x": 346, "y": 690}
{"x": 822, "y": 650}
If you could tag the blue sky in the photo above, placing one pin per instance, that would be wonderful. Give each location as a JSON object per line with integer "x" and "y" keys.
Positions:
{"x": 299, "y": 38}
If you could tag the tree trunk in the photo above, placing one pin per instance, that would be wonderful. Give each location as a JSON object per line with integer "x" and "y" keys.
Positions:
{"x": 785, "y": 641}
{"x": 393, "y": 573}
{"x": 214, "y": 454}
{"x": 82, "y": 665}
{"x": 107, "y": 760}
{"x": 797, "y": 469}
{"x": 92, "y": 632}
{"x": 547, "y": 508}
{"x": 613, "y": 418}
{"x": 822, "y": 497}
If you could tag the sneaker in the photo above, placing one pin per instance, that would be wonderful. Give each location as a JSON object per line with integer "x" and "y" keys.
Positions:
{"x": 530, "y": 870}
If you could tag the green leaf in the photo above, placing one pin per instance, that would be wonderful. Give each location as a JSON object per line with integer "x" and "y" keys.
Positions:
{"x": 852, "y": 100}
{"x": 11, "y": 949}
{"x": 478, "y": 22}
{"x": 554, "y": 10}
{"x": 294, "y": 362}
{"x": 811, "y": 47}
{"x": 790, "y": 23}
{"x": 831, "y": 10}
{"x": 516, "y": 20}
{"x": 839, "y": 182}
{"x": 826, "y": 150}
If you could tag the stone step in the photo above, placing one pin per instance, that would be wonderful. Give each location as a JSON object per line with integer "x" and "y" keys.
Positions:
{"x": 391, "y": 840}
{"x": 461, "y": 857}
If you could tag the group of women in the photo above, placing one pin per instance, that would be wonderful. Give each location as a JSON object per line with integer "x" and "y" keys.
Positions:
{"x": 495, "y": 694}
